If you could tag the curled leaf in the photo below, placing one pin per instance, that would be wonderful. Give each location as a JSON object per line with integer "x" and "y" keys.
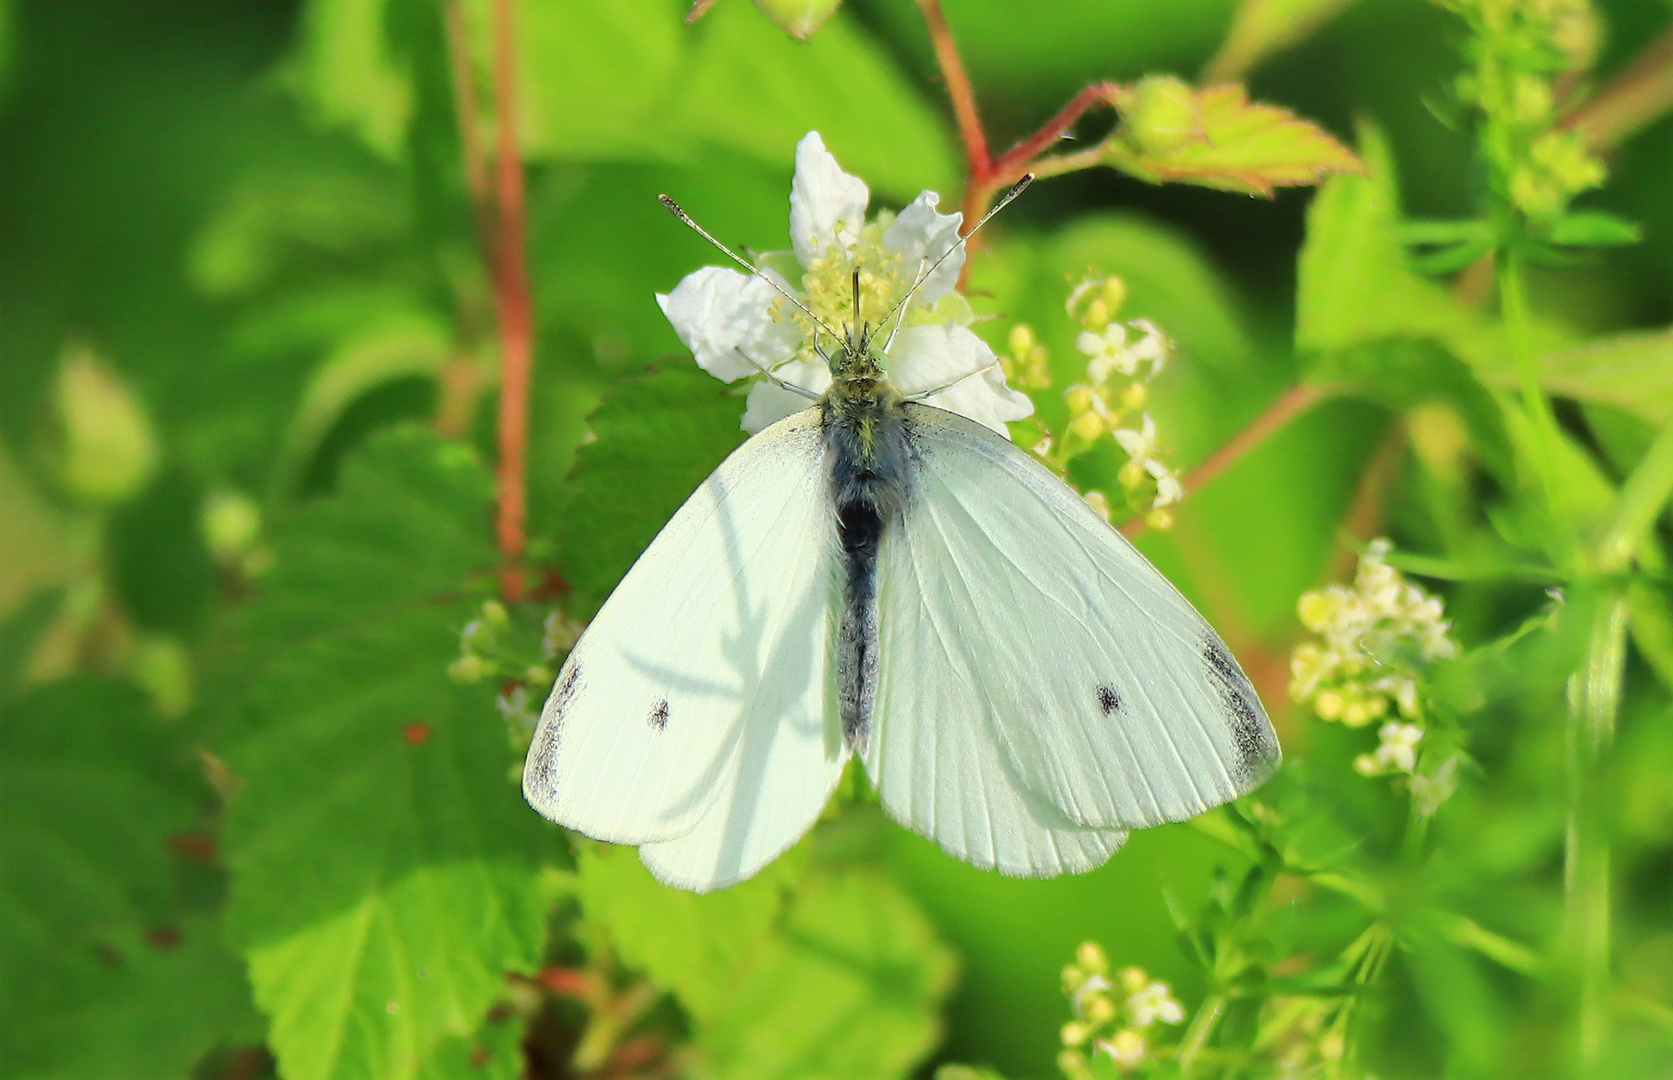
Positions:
{"x": 1218, "y": 138}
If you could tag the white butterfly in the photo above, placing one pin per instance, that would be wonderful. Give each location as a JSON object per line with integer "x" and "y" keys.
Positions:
{"x": 876, "y": 576}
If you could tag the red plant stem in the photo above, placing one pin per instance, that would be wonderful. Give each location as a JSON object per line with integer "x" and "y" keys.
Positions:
{"x": 1013, "y": 163}
{"x": 969, "y": 121}
{"x": 511, "y": 294}
{"x": 1289, "y": 405}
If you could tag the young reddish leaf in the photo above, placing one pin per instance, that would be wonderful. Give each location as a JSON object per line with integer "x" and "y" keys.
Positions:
{"x": 1229, "y": 143}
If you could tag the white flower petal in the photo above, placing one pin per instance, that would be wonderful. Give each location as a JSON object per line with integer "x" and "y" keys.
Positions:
{"x": 827, "y": 206}
{"x": 1131, "y": 441}
{"x": 768, "y": 404}
{"x": 921, "y": 235}
{"x": 1089, "y": 343}
{"x": 716, "y": 312}
{"x": 933, "y": 355}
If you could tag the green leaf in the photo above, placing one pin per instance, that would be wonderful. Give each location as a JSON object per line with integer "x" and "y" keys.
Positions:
{"x": 658, "y": 436}
{"x": 1263, "y": 27}
{"x": 1353, "y": 285}
{"x": 774, "y": 977}
{"x": 384, "y": 867}
{"x": 1593, "y": 228}
{"x": 1402, "y": 374}
{"x": 88, "y": 797}
{"x": 1218, "y": 138}
{"x": 100, "y": 974}
{"x": 347, "y": 71}
{"x": 494, "y": 1052}
{"x": 20, "y": 632}
{"x": 625, "y": 80}
{"x": 698, "y": 946}
{"x": 851, "y": 987}
{"x": 141, "y": 1008}
{"x": 1631, "y": 371}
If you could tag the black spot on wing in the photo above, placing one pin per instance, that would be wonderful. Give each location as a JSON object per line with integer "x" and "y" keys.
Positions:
{"x": 658, "y": 718}
{"x": 1109, "y": 701}
{"x": 541, "y": 767}
{"x": 1252, "y": 737}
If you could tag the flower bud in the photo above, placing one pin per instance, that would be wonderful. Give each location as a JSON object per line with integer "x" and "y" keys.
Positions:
{"x": 1097, "y": 315}
{"x": 1160, "y": 519}
{"x": 468, "y": 669}
{"x": 1074, "y": 1033}
{"x": 1099, "y": 1009}
{"x": 1132, "y": 475}
{"x": 1133, "y": 979}
{"x": 801, "y": 19}
{"x": 108, "y": 450}
{"x": 1099, "y": 502}
{"x": 1328, "y": 705}
{"x": 1091, "y": 958}
{"x": 1079, "y": 399}
{"x": 494, "y": 616}
{"x": 1114, "y": 292}
{"x": 1088, "y": 426}
{"x": 231, "y": 521}
{"x": 1022, "y": 340}
{"x": 1160, "y": 114}
{"x": 1134, "y": 396}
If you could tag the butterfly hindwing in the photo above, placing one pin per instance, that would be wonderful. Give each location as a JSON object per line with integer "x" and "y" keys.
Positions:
{"x": 1102, "y": 691}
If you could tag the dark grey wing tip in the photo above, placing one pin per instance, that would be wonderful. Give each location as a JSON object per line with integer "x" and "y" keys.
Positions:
{"x": 540, "y": 767}
{"x": 1254, "y": 741}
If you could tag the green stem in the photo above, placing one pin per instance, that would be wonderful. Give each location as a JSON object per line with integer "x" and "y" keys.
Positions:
{"x": 1641, "y": 499}
{"x": 1594, "y": 695}
{"x": 1513, "y": 306}
{"x": 1202, "y": 1026}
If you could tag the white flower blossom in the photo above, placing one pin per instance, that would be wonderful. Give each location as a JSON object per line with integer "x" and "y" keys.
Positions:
{"x": 1430, "y": 791}
{"x": 1377, "y": 636}
{"x": 1155, "y": 1002}
{"x": 1111, "y": 352}
{"x": 737, "y": 325}
{"x": 1126, "y": 1048}
{"x": 1141, "y": 448}
{"x": 1396, "y": 749}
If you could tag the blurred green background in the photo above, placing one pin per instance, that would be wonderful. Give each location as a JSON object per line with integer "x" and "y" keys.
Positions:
{"x": 252, "y": 218}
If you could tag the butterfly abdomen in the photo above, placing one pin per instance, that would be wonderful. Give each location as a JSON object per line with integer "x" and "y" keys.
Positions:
{"x": 868, "y": 451}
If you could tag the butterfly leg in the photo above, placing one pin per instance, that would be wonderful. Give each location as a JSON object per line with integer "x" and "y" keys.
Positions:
{"x": 922, "y": 394}
{"x": 775, "y": 380}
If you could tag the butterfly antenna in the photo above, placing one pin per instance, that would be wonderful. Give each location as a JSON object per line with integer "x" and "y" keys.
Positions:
{"x": 675, "y": 209}
{"x": 856, "y": 319}
{"x": 1004, "y": 201}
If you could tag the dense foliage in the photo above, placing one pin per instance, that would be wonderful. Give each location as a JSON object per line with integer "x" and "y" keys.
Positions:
{"x": 272, "y": 633}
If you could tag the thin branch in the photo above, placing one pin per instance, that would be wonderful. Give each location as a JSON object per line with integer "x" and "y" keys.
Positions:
{"x": 511, "y": 289}
{"x": 1292, "y": 403}
{"x": 475, "y": 161}
{"x": 1016, "y": 161}
{"x": 1636, "y": 96}
{"x": 977, "y": 161}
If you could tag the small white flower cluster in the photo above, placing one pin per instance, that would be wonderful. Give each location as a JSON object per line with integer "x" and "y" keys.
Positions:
{"x": 1111, "y": 1016}
{"x": 738, "y": 326}
{"x": 1378, "y": 636}
{"x": 1121, "y": 358}
{"x": 485, "y": 652}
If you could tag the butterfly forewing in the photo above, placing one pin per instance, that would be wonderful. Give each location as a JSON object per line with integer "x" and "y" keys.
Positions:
{"x": 693, "y": 715}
